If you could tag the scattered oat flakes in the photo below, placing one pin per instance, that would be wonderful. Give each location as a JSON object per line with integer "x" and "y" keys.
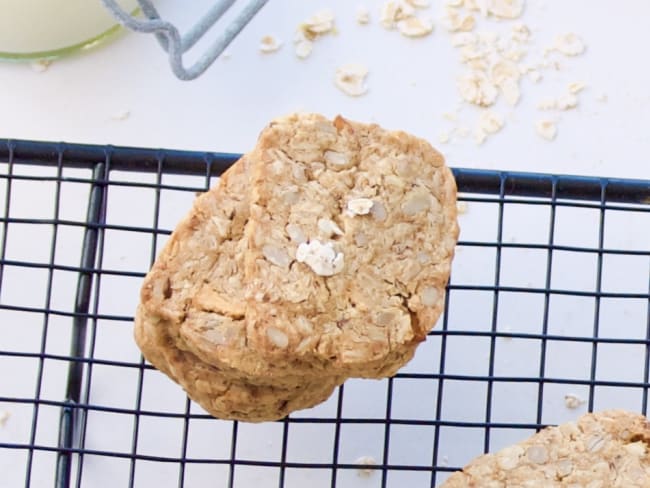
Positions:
{"x": 351, "y": 79}
{"x": 419, "y": 3}
{"x": 472, "y": 53}
{"x": 511, "y": 93}
{"x": 567, "y": 102}
{"x": 393, "y": 11}
{"x": 323, "y": 259}
{"x": 121, "y": 115}
{"x": 461, "y": 207}
{"x": 572, "y": 401}
{"x": 454, "y": 3}
{"x": 4, "y": 416}
{"x": 463, "y": 39}
{"x": 569, "y": 44}
{"x": 269, "y": 44}
{"x": 365, "y": 461}
{"x": 547, "y": 104}
{"x": 359, "y": 206}
{"x": 505, "y": 9}
{"x": 363, "y": 15}
{"x": 490, "y": 122}
{"x": 463, "y": 131}
{"x": 520, "y": 32}
{"x": 415, "y": 27}
{"x": 514, "y": 54}
{"x": 576, "y": 87}
{"x": 505, "y": 71}
{"x": 534, "y": 76}
{"x": 40, "y": 65}
{"x": 490, "y": 37}
{"x": 320, "y": 23}
{"x": 456, "y": 21}
{"x": 546, "y": 129}
{"x": 444, "y": 137}
{"x": 304, "y": 48}
{"x": 475, "y": 87}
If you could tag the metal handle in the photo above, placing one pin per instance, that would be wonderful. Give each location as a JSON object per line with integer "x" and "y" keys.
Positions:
{"x": 176, "y": 45}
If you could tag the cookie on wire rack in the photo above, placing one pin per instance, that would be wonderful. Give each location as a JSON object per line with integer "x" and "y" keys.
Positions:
{"x": 606, "y": 449}
{"x": 322, "y": 254}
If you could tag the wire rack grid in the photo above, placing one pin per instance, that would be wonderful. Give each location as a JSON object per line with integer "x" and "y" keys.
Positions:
{"x": 547, "y": 316}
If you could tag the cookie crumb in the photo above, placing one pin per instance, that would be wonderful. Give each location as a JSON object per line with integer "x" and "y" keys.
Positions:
{"x": 461, "y": 207}
{"x": 269, "y": 44}
{"x": 573, "y": 401}
{"x": 121, "y": 115}
{"x": 4, "y": 416}
{"x": 40, "y": 65}
{"x": 546, "y": 129}
{"x": 365, "y": 461}
{"x": 444, "y": 137}
{"x": 323, "y": 259}
{"x": 351, "y": 79}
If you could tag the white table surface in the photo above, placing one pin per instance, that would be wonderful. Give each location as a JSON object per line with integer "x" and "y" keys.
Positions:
{"x": 412, "y": 82}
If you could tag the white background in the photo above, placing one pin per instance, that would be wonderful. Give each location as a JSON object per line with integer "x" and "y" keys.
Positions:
{"x": 412, "y": 82}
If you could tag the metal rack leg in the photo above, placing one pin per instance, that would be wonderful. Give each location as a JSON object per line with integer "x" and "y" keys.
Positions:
{"x": 69, "y": 418}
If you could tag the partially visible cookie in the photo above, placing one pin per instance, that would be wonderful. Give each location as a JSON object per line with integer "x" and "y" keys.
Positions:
{"x": 607, "y": 449}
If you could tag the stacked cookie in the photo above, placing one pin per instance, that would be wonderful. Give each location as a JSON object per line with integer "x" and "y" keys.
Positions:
{"x": 322, "y": 254}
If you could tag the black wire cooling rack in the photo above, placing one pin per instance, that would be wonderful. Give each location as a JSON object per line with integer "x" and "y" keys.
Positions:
{"x": 547, "y": 316}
